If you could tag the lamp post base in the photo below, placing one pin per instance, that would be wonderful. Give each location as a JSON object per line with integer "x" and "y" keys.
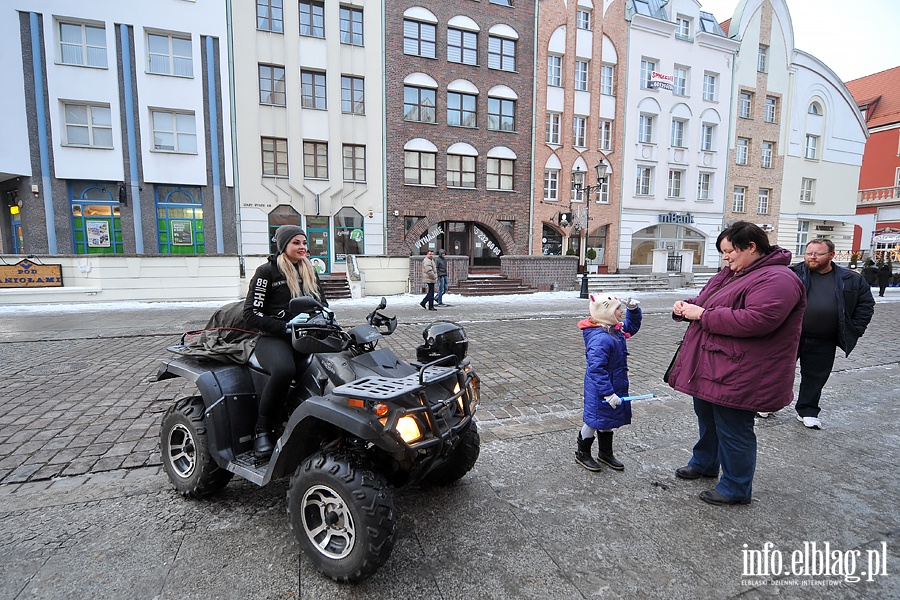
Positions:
{"x": 584, "y": 284}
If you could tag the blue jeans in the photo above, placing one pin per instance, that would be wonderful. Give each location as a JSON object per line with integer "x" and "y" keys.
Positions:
{"x": 441, "y": 288}
{"x": 726, "y": 439}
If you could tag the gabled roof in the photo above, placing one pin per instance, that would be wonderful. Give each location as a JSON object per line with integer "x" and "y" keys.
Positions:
{"x": 725, "y": 25}
{"x": 880, "y": 93}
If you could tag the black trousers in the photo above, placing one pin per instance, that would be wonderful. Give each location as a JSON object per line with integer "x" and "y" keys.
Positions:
{"x": 276, "y": 355}
{"x": 816, "y": 362}
{"x": 429, "y": 297}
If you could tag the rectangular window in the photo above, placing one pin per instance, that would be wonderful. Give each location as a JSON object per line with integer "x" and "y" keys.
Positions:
{"x": 174, "y": 131}
{"x": 274, "y": 157}
{"x": 607, "y": 79}
{"x": 461, "y": 109}
{"x": 771, "y": 109}
{"x": 742, "y": 156}
{"x": 351, "y": 20}
{"x": 271, "y": 85}
{"x": 554, "y": 71}
{"x": 583, "y": 19}
{"x": 768, "y": 151}
{"x": 315, "y": 160}
{"x": 419, "y": 38}
{"x": 419, "y": 104}
{"x": 606, "y": 134}
{"x": 462, "y": 46}
{"x": 82, "y": 45}
{"x": 551, "y": 185}
{"x": 761, "y": 59}
{"x": 737, "y": 201}
{"x": 353, "y": 95}
{"x": 745, "y": 105}
{"x": 675, "y": 177}
{"x": 581, "y": 75}
{"x": 762, "y": 206}
{"x": 709, "y": 87}
{"x": 704, "y": 184}
{"x": 460, "y": 171}
{"x": 603, "y": 192}
{"x": 579, "y": 126}
{"x": 169, "y": 55}
{"x": 501, "y": 114}
{"x": 312, "y": 18}
{"x": 677, "y": 133}
{"x": 642, "y": 185}
{"x": 808, "y": 190}
{"x": 502, "y": 2}
{"x": 419, "y": 167}
{"x": 811, "y": 151}
{"x": 270, "y": 15}
{"x": 312, "y": 90}
{"x": 647, "y": 68}
{"x": 682, "y": 28}
{"x": 501, "y": 53}
{"x": 553, "y": 128}
{"x": 645, "y": 129}
{"x": 707, "y": 137}
{"x": 354, "y": 162}
{"x": 680, "y": 81}
{"x": 88, "y": 125}
{"x": 500, "y": 173}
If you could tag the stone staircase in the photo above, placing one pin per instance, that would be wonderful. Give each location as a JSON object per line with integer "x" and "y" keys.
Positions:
{"x": 335, "y": 286}
{"x": 489, "y": 284}
{"x": 625, "y": 282}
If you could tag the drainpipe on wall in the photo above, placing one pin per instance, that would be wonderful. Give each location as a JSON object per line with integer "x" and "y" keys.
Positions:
{"x": 233, "y": 121}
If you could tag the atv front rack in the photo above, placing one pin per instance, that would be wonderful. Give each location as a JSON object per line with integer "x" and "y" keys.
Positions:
{"x": 388, "y": 388}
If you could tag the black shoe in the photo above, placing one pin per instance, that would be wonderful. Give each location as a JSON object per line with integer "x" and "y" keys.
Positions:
{"x": 606, "y": 452}
{"x": 422, "y": 304}
{"x": 432, "y": 309}
{"x": 688, "y": 473}
{"x": 583, "y": 454}
{"x": 714, "y": 497}
{"x": 262, "y": 444}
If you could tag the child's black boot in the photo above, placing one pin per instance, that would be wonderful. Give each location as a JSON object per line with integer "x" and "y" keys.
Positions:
{"x": 606, "y": 452}
{"x": 583, "y": 454}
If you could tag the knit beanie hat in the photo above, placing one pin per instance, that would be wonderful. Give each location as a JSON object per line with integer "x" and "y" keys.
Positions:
{"x": 285, "y": 234}
{"x": 603, "y": 309}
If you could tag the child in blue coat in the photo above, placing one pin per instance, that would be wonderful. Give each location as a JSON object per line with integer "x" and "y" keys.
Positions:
{"x": 606, "y": 376}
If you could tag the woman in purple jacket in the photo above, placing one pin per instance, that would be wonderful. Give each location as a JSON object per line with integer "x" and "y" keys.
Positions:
{"x": 738, "y": 357}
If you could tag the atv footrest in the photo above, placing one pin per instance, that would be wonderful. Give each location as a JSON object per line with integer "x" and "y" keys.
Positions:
{"x": 386, "y": 388}
{"x": 249, "y": 467}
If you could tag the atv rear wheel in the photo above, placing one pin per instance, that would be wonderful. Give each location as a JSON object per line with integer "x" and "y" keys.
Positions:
{"x": 461, "y": 461}
{"x": 342, "y": 515}
{"x": 185, "y": 452}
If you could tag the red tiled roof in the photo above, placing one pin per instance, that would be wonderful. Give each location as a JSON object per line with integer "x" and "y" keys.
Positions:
{"x": 725, "y": 25}
{"x": 881, "y": 90}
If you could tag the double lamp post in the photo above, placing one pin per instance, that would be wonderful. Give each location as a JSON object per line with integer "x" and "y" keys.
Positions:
{"x": 600, "y": 168}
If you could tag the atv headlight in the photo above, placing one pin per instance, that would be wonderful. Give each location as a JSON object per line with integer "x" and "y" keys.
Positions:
{"x": 408, "y": 428}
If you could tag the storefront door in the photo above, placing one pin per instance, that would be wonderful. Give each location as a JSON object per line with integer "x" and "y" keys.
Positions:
{"x": 317, "y": 238}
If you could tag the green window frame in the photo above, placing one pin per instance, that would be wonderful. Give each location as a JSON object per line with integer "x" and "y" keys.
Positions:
{"x": 179, "y": 220}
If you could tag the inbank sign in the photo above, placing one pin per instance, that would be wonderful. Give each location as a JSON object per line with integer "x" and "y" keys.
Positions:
{"x": 27, "y": 274}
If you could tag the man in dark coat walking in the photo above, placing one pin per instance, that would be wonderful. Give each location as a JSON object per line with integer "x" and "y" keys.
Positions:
{"x": 884, "y": 277}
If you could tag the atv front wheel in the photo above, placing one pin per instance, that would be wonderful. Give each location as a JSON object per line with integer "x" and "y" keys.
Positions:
{"x": 342, "y": 515}
{"x": 460, "y": 461}
{"x": 185, "y": 452}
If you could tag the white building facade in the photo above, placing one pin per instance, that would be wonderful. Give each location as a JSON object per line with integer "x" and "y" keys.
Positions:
{"x": 676, "y": 134}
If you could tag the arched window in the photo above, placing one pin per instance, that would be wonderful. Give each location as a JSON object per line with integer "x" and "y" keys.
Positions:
{"x": 96, "y": 219}
{"x": 349, "y": 236}
{"x": 179, "y": 218}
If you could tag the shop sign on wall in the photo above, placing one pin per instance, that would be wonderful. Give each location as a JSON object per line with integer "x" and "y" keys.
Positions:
{"x": 28, "y": 274}
{"x": 97, "y": 234}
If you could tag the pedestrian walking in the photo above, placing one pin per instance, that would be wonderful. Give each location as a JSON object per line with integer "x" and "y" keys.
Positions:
{"x": 839, "y": 306}
{"x": 738, "y": 357}
{"x": 441, "y": 264}
{"x": 606, "y": 376}
{"x": 429, "y": 277}
{"x": 870, "y": 272}
{"x": 884, "y": 277}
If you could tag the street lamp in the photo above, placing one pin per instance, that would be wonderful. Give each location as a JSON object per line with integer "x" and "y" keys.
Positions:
{"x": 600, "y": 168}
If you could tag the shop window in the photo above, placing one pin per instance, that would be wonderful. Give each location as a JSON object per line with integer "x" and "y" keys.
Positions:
{"x": 282, "y": 215}
{"x": 96, "y": 220}
{"x": 179, "y": 220}
{"x": 349, "y": 237}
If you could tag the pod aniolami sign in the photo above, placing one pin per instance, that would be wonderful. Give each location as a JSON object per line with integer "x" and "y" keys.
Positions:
{"x": 26, "y": 273}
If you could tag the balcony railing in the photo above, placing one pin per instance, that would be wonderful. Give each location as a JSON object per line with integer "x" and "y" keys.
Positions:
{"x": 878, "y": 195}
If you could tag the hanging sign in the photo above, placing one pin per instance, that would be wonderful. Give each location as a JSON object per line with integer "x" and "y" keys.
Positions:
{"x": 661, "y": 81}
{"x": 28, "y": 274}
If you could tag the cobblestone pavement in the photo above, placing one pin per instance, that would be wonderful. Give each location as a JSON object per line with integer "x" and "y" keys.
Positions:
{"x": 79, "y": 472}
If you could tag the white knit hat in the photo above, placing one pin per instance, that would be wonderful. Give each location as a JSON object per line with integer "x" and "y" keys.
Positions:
{"x": 603, "y": 309}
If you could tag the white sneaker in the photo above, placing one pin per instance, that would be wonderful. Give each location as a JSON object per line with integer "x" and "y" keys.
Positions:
{"x": 763, "y": 415}
{"x": 811, "y": 422}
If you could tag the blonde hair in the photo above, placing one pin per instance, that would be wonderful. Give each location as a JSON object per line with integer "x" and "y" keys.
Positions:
{"x": 301, "y": 278}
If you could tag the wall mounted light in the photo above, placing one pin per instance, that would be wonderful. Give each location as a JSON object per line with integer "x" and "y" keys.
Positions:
{"x": 123, "y": 195}
{"x": 371, "y": 213}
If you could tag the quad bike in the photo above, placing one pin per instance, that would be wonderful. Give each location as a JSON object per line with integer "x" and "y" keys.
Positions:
{"x": 358, "y": 421}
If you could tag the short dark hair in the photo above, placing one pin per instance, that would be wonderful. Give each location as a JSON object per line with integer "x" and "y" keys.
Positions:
{"x": 741, "y": 234}
{"x": 825, "y": 241}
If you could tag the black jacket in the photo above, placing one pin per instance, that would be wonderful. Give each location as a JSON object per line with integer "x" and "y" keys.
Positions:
{"x": 855, "y": 303}
{"x": 266, "y": 306}
{"x": 441, "y": 263}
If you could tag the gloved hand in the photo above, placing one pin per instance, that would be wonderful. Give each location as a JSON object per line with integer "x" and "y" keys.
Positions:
{"x": 613, "y": 400}
{"x": 631, "y": 303}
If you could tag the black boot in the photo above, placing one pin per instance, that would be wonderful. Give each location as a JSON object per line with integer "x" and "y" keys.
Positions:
{"x": 262, "y": 443}
{"x": 606, "y": 452}
{"x": 583, "y": 454}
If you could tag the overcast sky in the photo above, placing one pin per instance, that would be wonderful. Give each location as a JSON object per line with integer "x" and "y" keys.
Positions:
{"x": 854, "y": 38}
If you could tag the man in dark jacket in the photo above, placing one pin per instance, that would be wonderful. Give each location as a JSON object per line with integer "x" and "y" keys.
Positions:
{"x": 441, "y": 263}
{"x": 838, "y": 310}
